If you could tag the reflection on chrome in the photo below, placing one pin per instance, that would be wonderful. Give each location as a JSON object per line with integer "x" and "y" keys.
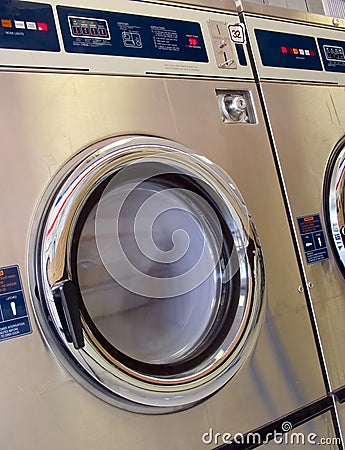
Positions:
{"x": 334, "y": 192}
{"x": 167, "y": 266}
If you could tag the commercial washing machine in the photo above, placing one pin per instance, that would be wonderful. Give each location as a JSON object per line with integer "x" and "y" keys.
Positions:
{"x": 143, "y": 233}
{"x": 300, "y": 63}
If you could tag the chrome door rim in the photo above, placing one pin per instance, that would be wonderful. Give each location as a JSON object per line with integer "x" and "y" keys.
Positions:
{"x": 51, "y": 235}
{"x": 333, "y": 207}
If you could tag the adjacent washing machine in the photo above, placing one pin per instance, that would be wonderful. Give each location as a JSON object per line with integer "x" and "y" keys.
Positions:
{"x": 143, "y": 226}
{"x": 300, "y": 63}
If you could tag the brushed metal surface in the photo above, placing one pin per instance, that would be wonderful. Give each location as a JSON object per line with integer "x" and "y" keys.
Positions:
{"x": 50, "y": 249}
{"x": 305, "y": 137}
{"x": 340, "y": 409}
{"x": 259, "y": 9}
{"x": 45, "y": 118}
{"x": 209, "y": 4}
{"x": 318, "y": 431}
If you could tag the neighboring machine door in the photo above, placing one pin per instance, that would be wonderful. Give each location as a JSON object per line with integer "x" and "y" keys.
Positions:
{"x": 334, "y": 206}
{"x": 147, "y": 274}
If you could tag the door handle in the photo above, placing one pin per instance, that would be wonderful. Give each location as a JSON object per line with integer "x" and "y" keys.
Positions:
{"x": 66, "y": 300}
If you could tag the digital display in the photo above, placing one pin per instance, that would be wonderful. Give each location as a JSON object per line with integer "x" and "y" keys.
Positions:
{"x": 193, "y": 42}
{"x": 118, "y": 34}
{"x": 334, "y": 53}
{"x": 90, "y": 28}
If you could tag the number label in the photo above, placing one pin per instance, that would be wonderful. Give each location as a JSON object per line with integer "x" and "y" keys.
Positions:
{"x": 237, "y": 33}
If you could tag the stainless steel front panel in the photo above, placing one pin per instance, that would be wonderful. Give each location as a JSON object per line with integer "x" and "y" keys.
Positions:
{"x": 290, "y": 14}
{"x": 306, "y": 130}
{"x": 340, "y": 409}
{"x": 209, "y": 4}
{"x": 153, "y": 327}
{"x": 318, "y": 431}
{"x": 45, "y": 118}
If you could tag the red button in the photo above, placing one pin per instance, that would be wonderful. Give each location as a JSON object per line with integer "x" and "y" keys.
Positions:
{"x": 284, "y": 49}
{"x": 42, "y": 26}
{"x": 312, "y": 52}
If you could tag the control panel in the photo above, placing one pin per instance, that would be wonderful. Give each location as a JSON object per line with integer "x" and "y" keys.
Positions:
{"x": 297, "y": 50}
{"x": 138, "y": 37}
{"x": 288, "y": 50}
{"x": 88, "y": 31}
{"x": 333, "y": 54}
{"x": 28, "y": 26}
{"x": 300, "y": 52}
{"x": 85, "y": 28}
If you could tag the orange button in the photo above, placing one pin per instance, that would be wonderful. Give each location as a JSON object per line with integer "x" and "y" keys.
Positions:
{"x": 308, "y": 219}
{"x": 6, "y": 23}
{"x": 295, "y": 50}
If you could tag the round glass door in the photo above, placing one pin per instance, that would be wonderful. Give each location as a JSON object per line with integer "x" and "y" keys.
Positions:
{"x": 334, "y": 202}
{"x": 148, "y": 276}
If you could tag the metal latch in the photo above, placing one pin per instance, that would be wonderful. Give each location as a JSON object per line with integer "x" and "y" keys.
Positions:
{"x": 236, "y": 106}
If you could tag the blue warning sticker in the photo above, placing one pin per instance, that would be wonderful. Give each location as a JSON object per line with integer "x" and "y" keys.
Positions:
{"x": 14, "y": 317}
{"x": 313, "y": 238}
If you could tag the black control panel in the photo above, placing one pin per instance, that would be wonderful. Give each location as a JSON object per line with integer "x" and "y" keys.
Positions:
{"x": 28, "y": 26}
{"x": 288, "y": 50}
{"x": 300, "y": 52}
{"x": 88, "y": 28}
{"x": 109, "y": 33}
{"x": 333, "y": 55}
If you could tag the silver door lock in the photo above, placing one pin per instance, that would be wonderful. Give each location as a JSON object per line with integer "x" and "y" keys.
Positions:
{"x": 236, "y": 106}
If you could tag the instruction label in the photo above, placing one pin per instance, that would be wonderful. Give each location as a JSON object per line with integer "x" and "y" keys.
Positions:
{"x": 313, "y": 238}
{"x": 14, "y": 318}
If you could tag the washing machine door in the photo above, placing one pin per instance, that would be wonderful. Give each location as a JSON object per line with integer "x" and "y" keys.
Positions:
{"x": 146, "y": 273}
{"x": 334, "y": 202}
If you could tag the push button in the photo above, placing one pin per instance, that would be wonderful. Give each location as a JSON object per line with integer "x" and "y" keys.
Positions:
{"x": 6, "y": 23}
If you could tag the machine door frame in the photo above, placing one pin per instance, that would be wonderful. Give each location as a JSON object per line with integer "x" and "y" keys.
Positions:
{"x": 87, "y": 184}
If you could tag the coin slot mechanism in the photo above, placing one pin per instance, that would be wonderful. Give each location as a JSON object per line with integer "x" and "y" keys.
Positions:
{"x": 222, "y": 45}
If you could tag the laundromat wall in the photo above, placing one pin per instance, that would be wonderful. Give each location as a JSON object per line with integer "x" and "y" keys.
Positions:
{"x": 313, "y": 6}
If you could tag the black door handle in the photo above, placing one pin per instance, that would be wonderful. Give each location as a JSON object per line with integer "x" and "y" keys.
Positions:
{"x": 66, "y": 301}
